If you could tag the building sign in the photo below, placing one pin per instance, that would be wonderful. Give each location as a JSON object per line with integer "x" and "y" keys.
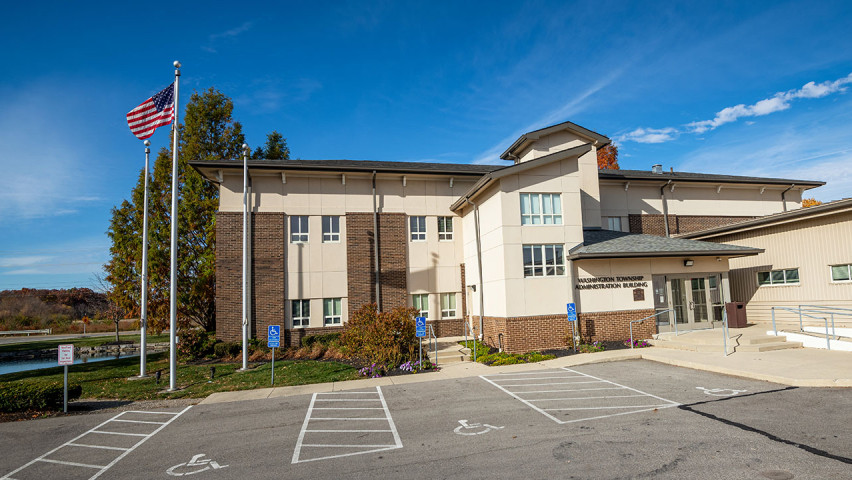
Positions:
{"x": 600, "y": 283}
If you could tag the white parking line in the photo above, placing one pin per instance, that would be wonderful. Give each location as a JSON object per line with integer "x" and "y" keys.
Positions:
{"x": 571, "y": 404}
{"x": 301, "y": 455}
{"x": 101, "y": 468}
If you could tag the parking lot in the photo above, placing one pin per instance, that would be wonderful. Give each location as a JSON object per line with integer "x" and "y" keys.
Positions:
{"x": 629, "y": 419}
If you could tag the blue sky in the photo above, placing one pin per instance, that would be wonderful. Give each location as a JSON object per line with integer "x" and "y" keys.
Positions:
{"x": 715, "y": 87}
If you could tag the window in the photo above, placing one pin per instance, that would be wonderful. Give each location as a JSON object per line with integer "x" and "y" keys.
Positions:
{"x": 448, "y": 305}
{"x": 301, "y": 312}
{"x": 445, "y": 228}
{"x": 418, "y": 228}
{"x": 613, "y": 223}
{"x": 331, "y": 311}
{"x": 541, "y": 208}
{"x": 299, "y": 229}
{"x": 421, "y": 302}
{"x": 330, "y": 229}
{"x": 841, "y": 273}
{"x": 543, "y": 260}
{"x": 779, "y": 277}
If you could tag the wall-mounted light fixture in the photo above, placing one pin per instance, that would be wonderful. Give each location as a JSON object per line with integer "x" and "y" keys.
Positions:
{"x": 473, "y": 287}
{"x": 688, "y": 263}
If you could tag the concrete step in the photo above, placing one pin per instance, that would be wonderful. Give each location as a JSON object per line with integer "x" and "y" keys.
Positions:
{"x": 768, "y": 346}
{"x": 763, "y": 339}
{"x": 712, "y": 337}
{"x": 691, "y": 347}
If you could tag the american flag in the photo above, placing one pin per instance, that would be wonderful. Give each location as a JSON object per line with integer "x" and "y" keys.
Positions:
{"x": 155, "y": 112}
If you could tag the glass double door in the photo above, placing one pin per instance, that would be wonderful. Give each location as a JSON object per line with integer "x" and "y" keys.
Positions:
{"x": 695, "y": 301}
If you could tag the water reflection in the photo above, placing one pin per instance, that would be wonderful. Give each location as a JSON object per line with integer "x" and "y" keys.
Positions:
{"x": 13, "y": 366}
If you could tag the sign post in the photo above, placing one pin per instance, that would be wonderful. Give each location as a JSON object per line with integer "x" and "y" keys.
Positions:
{"x": 420, "y": 332}
{"x": 572, "y": 318}
{"x": 66, "y": 357}
{"x": 273, "y": 339}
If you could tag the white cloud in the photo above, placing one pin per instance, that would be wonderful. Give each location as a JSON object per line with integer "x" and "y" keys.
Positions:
{"x": 227, "y": 34}
{"x": 23, "y": 261}
{"x": 776, "y": 103}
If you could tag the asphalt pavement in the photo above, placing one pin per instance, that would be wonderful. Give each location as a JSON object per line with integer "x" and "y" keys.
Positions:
{"x": 627, "y": 419}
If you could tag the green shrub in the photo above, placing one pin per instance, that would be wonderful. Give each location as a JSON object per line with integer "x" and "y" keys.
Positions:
{"x": 18, "y": 396}
{"x": 385, "y": 338}
{"x": 194, "y": 345}
{"x": 227, "y": 349}
{"x": 324, "y": 339}
{"x": 591, "y": 347}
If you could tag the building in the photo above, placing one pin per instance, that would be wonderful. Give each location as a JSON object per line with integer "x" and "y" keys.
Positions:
{"x": 806, "y": 260}
{"x": 547, "y": 229}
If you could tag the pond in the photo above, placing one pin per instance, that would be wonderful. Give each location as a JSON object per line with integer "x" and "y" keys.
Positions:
{"x": 13, "y": 366}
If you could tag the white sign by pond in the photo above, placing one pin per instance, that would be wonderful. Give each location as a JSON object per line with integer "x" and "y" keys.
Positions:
{"x": 66, "y": 354}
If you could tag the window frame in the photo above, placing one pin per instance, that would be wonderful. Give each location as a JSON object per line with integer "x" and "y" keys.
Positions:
{"x": 417, "y": 235}
{"x": 848, "y": 272}
{"x": 449, "y": 312}
{"x": 304, "y": 320}
{"x": 444, "y": 234}
{"x": 611, "y": 220}
{"x": 772, "y": 274}
{"x": 332, "y": 235}
{"x": 335, "y": 317}
{"x": 540, "y": 252}
{"x": 423, "y": 297}
{"x": 538, "y": 206}
{"x": 298, "y": 235}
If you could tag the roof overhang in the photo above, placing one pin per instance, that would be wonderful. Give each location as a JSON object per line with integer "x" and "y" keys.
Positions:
{"x": 595, "y": 138}
{"x": 704, "y": 253}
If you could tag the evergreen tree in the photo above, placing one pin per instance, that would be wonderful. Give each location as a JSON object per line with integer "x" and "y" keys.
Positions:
{"x": 275, "y": 148}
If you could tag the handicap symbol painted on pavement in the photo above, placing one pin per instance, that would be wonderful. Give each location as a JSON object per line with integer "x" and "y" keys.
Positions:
{"x": 196, "y": 465}
{"x": 474, "y": 428}
{"x": 721, "y": 392}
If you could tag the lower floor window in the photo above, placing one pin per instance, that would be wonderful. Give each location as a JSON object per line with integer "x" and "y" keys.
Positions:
{"x": 543, "y": 260}
{"x": 789, "y": 276}
{"x": 841, "y": 273}
{"x": 448, "y": 305}
{"x": 420, "y": 301}
{"x": 301, "y": 313}
{"x": 331, "y": 311}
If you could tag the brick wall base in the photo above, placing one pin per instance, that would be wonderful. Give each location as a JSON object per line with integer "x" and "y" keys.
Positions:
{"x": 452, "y": 327}
{"x": 544, "y": 332}
{"x": 293, "y": 337}
{"x": 229, "y": 273}
{"x": 654, "y": 224}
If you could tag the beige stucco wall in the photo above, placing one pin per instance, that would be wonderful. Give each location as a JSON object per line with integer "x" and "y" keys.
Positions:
{"x": 694, "y": 199}
{"x": 605, "y": 300}
{"x": 812, "y": 246}
{"x": 552, "y": 143}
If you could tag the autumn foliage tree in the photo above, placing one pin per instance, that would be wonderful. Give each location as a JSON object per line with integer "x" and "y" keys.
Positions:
{"x": 608, "y": 157}
{"x": 810, "y": 202}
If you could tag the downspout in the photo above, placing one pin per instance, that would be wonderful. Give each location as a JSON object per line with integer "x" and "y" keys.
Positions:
{"x": 479, "y": 265}
{"x": 783, "y": 199}
{"x": 665, "y": 207}
{"x": 376, "y": 246}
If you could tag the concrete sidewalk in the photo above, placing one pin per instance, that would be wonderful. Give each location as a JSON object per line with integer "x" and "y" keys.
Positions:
{"x": 797, "y": 367}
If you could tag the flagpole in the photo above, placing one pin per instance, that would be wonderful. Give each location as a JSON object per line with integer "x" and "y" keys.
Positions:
{"x": 173, "y": 219}
{"x": 245, "y": 257}
{"x": 143, "y": 317}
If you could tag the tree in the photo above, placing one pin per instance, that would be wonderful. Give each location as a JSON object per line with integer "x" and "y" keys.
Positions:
{"x": 608, "y": 157}
{"x": 810, "y": 202}
{"x": 275, "y": 149}
{"x": 209, "y": 133}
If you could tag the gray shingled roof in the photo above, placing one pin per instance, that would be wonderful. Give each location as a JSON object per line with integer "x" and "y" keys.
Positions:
{"x": 599, "y": 243}
{"x": 355, "y": 166}
{"x": 700, "y": 177}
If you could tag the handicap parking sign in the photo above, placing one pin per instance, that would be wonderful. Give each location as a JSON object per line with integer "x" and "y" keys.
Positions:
{"x": 273, "y": 335}
{"x": 420, "y": 326}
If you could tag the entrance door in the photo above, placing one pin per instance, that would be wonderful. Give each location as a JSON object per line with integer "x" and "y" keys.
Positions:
{"x": 694, "y": 300}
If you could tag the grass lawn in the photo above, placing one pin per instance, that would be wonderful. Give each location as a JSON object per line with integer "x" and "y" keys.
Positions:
{"x": 78, "y": 342}
{"x": 109, "y": 379}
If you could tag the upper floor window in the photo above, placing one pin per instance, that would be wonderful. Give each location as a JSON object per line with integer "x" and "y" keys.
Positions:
{"x": 543, "y": 260}
{"x": 779, "y": 277}
{"x": 445, "y": 228}
{"x": 298, "y": 229}
{"x": 331, "y": 311}
{"x": 448, "y": 305}
{"x": 841, "y": 273}
{"x": 301, "y": 312}
{"x": 613, "y": 223}
{"x": 541, "y": 209}
{"x": 418, "y": 228}
{"x": 330, "y": 229}
{"x": 420, "y": 301}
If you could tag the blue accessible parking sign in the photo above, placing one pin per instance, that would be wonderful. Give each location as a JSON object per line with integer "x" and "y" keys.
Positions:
{"x": 420, "y": 326}
{"x": 273, "y": 336}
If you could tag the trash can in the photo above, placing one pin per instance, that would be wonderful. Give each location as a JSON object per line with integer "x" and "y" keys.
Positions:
{"x": 736, "y": 314}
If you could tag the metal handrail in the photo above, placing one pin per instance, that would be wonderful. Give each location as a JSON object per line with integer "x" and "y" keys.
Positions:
{"x": 642, "y": 320}
{"x": 466, "y": 328}
{"x": 822, "y": 309}
{"x": 431, "y": 336}
{"x": 801, "y": 314}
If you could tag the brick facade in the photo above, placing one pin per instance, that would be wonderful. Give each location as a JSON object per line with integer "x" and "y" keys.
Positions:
{"x": 268, "y": 244}
{"x": 543, "y": 332}
{"x": 451, "y": 327}
{"x": 293, "y": 337}
{"x": 360, "y": 258}
{"x": 463, "y": 293}
{"x": 654, "y": 224}
{"x": 229, "y": 274}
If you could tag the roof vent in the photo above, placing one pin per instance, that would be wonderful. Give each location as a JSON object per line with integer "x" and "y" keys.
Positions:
{"x": 658, "y": 169}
